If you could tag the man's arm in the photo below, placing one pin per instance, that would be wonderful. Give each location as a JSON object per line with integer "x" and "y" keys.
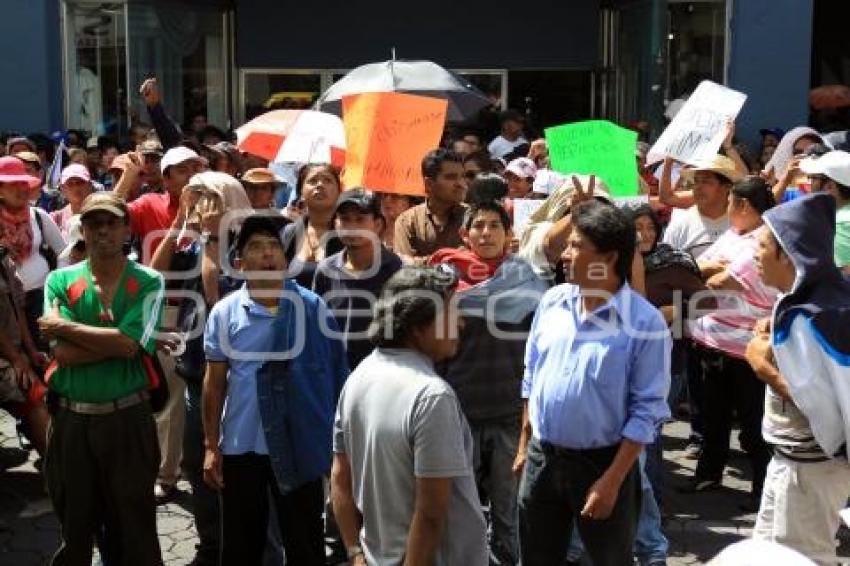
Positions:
{"x": 131, "y": 179}
{"x": 108, "y": 342}
{"x": 666, "y": 193}
{"x": 602, "y": 495}
{"x": 166, "y": 129}
{"x": 524, "y": 439}
{"x": 68, "y": 354}
{"x": 429, "y": 519}
{"x": 348, "y": 517}
{"x": 760, "y": 357}
{"x": 212, "y": 404}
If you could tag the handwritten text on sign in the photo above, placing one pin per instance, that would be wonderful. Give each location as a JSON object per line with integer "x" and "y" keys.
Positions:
{"x": 596, "y": 147}
{"x": 697, "y": 131}
{"x": 387, "y": 135}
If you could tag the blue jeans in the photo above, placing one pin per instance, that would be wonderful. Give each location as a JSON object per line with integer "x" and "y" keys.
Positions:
{"x": 651, "y": 545}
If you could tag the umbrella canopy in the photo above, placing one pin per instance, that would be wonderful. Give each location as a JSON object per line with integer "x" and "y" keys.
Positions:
{"x": 299, "y": 136}
{"x": 422, "y": 78}
{"x": 829, "y": 96}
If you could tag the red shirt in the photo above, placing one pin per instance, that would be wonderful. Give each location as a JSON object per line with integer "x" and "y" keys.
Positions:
{"x": 153, "y": 211}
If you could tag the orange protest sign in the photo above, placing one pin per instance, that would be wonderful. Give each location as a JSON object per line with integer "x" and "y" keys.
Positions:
{"x": 386, "y": 135}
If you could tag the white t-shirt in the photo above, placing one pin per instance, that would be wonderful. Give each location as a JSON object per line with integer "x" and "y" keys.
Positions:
{"x": 500, "y": 147}
{"x": 692, "y": 232}
{"x": 396, "y": 421}
{"x": 34, "y": 269}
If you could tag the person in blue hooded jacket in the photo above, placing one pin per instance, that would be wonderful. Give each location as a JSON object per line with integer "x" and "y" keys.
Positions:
{"x": 803, "y": 353}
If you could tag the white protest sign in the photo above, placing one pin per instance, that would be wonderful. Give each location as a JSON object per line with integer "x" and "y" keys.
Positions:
{"x": 697, "y": 131}
{"x": 632, "y": 202}
{"x": 523, "y": 209}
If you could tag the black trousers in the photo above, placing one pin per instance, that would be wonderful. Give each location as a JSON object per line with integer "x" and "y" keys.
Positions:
{"x": 249, "y": 483}
{"x": 100, "y": 474}
{"x": 729, "y": 384}
{"x": 552, "y": 493}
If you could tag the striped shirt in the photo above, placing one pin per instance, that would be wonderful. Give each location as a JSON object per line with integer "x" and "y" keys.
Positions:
{"x": 729, "y": 328}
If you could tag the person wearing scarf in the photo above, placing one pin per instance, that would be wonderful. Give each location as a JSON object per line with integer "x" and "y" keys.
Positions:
{"x": 487, "y": 371}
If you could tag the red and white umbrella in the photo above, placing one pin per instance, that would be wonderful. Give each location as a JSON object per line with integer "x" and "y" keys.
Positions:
{"x": 299, "y": 136}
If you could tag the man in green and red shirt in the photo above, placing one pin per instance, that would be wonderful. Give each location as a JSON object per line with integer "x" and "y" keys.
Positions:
{"x": 102, "y": 455}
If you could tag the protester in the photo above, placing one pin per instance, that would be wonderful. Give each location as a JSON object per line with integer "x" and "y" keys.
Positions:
{"x": 194, "y": 248}
{"x": 351, "y": 280}
{"x": 487, "y": 187}
{"x": 402, "y": 482}
{"x": 590, "y": 404}
{"x": 392, "y": 205}
{"x": 721, "y": 336}
{"x": 151, "y": 214}
{"x": 102, "y": 455}
{"x": 830, "y": 173}
{"x": 311, "y": 237}
{"x": 801, "y": 353}
{"x": 794, "y": 142}
{"x": 473, "y": 140}
{"x": 520, "y": 175}
{"x": 30, "y": 236}
{"x": 259, "y": 184}
{"x": 487, "y": 370}
{"x": 151, "y": 152}
{"x": 511, "y": 124}
{"x": 434, "y": 224}
{"x": 76, "y": 186}
{"x": 264, "y": 441}
{"x": 21, "y": 389}
{"x": 475, "y": 164}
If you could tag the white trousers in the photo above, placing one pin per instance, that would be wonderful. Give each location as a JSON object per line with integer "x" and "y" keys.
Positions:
{"x": 800, "y": 504}
{"x": 170, "y": 423}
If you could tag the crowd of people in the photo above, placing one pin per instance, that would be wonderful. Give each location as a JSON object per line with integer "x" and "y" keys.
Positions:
{"x": 349, "y": 375}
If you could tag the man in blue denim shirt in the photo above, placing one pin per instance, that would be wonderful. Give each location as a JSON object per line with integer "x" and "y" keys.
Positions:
{"x": 270, "y": 392}
{"x": 595, "y": 388}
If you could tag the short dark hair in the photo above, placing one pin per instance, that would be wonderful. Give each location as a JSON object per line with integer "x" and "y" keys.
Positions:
{"x": 253, "y": 225}
{"x": 610, "y": 230}
{"x": 755, "y": 190}
{"x": 480, "y": 158}
{"x": 486, "y": 206}
{"x": 433, "y": 161}
{"x": 360, "y": 199}
{"x": 511, "y": 115}
{"x": 843, "y": 190}
{"x": 407, "y": 303}
{"x": 487, "y": 187}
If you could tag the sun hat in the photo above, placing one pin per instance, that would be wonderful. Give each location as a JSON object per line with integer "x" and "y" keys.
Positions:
{"x": 12, "y": 170}
{"x": 29, "y": 157}
{"x": 75, "y": 171}
{"x": 719, "y": 164}
{"x": 259, "y": 176}
{"x": 835, "y": 165}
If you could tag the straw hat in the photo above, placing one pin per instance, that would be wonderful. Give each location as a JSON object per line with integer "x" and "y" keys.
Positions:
{"x": 718, "y": 164}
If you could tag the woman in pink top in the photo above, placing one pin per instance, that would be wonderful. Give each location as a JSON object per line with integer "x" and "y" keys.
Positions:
{"x": 76, "y": 186}
{"x": 721, "y": 336}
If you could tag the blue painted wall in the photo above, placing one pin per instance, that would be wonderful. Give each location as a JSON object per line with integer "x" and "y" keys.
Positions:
{"x": 30, "y": 66}
{"x": 770, "y": 60}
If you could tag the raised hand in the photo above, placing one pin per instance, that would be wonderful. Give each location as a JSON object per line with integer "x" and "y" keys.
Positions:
{"x": 580, "y": 193}
{"x": 150, "y": 92}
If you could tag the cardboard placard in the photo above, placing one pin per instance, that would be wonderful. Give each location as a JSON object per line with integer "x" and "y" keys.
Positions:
{"x": 387, "y": 135}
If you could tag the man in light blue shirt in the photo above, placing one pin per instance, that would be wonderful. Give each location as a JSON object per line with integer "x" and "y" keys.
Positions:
{"x": 595, "y": 388}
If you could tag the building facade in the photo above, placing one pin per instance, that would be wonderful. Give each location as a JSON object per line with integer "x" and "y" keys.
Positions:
{"x": 81, "y": 62}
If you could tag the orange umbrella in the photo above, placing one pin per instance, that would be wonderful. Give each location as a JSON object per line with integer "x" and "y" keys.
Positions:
{"x": 829, "y": 96}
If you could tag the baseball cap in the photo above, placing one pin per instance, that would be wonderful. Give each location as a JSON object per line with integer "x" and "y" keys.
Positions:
{"x": 835, "y": 165}
{"x": 103, "y": 201}
{"x": 177, "y": 155}
{"x": 259, "y": 176}
{"x": 150, "y": 146}
{"x": 522, "y": 167}
{"x": 20, "y": 140}
{"x": 365, "y": 201}
{"x": 75, "y": 171}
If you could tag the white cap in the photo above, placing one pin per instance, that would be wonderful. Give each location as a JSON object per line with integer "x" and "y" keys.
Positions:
{"x": 835, "y": 165}
{"x": 177, "y": 155}
{"x": 751, "y": 552}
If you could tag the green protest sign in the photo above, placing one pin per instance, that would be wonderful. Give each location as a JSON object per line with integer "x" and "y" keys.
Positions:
{"x": 596, "y": 147}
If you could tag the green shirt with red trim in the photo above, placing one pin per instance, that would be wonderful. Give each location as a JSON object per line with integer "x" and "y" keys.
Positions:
{"x": 136, "y": 311}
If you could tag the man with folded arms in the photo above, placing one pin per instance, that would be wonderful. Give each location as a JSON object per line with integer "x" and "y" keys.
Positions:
{"x": 596, "y": 378}
{"x": 102, "y": 453}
